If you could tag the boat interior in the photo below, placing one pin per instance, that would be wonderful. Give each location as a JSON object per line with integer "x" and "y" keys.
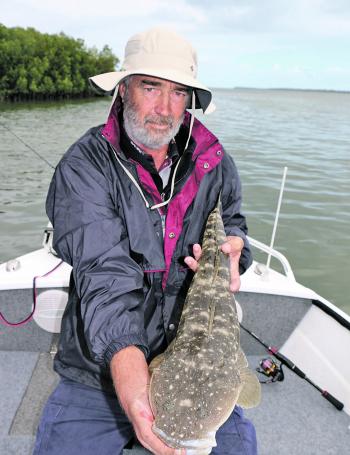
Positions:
{"x": 293, "y": 418}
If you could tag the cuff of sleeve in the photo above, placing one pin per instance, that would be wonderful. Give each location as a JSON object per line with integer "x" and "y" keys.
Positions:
{"x": 135, "y": 339}
{"x": 236, "y": 231}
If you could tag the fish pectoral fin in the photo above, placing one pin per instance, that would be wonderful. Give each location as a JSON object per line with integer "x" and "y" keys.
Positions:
{"x": 250, "y": 394}
{"x": 242, "y": 361}
{"x": 156, "y": 362}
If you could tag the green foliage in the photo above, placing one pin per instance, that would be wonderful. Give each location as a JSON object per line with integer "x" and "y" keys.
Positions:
{"x": 35, "y": 65}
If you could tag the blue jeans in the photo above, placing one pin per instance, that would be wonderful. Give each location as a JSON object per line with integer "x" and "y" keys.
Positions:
{"x": 81, "y": 420}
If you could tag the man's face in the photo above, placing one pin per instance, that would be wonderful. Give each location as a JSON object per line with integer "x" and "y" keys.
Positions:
{"x": 153, "y": 110}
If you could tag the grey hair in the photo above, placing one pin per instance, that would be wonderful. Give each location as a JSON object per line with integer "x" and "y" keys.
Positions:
{"x": 126, "y": 81}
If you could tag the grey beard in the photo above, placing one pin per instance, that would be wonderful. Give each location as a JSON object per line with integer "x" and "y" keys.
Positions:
{"x": 137, "y": 131}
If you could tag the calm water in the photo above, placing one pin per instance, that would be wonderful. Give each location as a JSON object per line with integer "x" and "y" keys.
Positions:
{"x": 264, "y": 131}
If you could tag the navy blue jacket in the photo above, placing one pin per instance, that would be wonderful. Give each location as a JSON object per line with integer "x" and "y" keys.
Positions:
{"x": 129, "y": 282}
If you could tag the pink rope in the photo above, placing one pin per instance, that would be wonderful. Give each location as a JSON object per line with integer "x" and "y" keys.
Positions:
{"x": 4, "y": 321}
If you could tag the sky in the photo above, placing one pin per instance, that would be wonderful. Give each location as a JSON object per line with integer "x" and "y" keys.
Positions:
{"x": 240, "y": 43}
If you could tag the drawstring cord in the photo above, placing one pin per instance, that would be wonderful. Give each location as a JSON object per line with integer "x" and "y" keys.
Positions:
{"x": 135, "y": 182}
{"x": 132, "y": 178}
{"x": 157, "y": 206}
{"x": 193, "y": 107}
{"x": 172, "y": 187}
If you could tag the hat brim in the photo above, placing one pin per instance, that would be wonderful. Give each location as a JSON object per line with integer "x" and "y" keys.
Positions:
{"x": 107, "y": 82}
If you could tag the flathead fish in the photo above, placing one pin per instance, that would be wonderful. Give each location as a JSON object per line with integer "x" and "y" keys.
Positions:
{"x": 203, "y": 374}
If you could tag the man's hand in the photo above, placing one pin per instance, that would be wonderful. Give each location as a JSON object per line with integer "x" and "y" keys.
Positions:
{"x": 131, "y": 378}
{"x": 233, "y": 247}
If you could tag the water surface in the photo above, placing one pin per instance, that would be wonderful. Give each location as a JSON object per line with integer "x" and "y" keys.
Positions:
{"x": 263, "y": 130}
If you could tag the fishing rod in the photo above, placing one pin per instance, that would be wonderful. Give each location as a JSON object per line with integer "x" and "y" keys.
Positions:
{"x": 3, "y": 320}
{"x": 288, "y": 363}
{"x": 27, "y": 145}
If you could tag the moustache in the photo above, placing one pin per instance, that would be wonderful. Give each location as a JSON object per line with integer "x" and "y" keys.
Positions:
{"x": 160, "y": 120}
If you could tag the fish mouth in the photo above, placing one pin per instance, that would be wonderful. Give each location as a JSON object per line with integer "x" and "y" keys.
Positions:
{"x": 192, "y": 446}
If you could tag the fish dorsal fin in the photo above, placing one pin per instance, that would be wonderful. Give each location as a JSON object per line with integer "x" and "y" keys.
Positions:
{"x": 214, "y": 230}
{"x": 214, "y": 236}
{"x": 250, "y": 394}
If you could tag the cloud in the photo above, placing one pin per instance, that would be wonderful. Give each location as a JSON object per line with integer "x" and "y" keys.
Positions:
{"x": 293, "y": 18}
{"x": 254, "y": 38}
{"x": 297, "y": 17}
{"x": 118, "y": 9}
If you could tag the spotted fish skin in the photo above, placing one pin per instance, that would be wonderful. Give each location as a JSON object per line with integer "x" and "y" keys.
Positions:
{"x": 199, "y": 378}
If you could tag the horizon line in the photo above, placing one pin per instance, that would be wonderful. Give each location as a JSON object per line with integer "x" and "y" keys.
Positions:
{"x": 282, "y": 89}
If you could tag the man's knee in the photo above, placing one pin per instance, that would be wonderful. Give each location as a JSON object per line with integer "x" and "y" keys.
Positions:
{"x": 77, "y": 419}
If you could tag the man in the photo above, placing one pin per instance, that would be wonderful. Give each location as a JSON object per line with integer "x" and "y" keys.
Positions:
{"x": 128, "y": 202}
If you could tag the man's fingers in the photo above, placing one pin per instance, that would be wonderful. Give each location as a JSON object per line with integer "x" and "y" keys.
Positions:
{"x": 142, "y": 420}
{"x": 151, "y": 442}
{"x": 233, "y": 246}
{"x": 197, "y": 251}
{"x": 193, "y": 262}
{"x": 235, "y": 282}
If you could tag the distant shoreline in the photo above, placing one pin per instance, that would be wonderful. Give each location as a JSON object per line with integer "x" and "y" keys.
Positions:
{"x": 283, "y": 89}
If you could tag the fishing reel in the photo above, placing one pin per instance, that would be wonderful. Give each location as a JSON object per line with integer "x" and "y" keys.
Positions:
{"x": 270, "y": 369}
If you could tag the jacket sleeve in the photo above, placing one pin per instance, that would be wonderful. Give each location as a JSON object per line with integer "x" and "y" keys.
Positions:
{"x": 234, "y": 222}
{"x": 91, "y": 236}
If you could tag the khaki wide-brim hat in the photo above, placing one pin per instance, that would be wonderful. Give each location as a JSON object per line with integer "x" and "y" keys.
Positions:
{"x": 160, "y": 53}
